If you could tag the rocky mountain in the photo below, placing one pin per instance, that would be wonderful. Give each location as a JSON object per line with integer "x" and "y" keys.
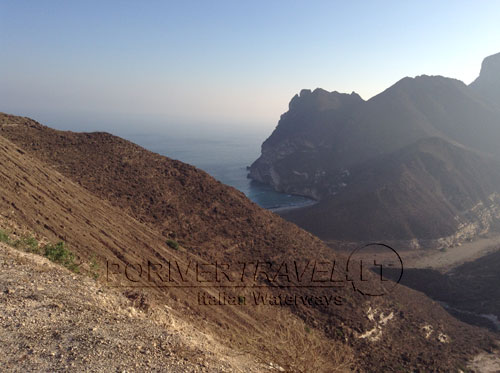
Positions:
{"x": 430, "y": 189}
{"x": 115, "y": 201}
{"x": 330, "y": 152}
{"x": 488, "y": 83}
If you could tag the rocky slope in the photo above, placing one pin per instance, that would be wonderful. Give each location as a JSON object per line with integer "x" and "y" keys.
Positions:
{"x": 316, "y": 149}
{"x": 107, "y": 197}
{"x": 434, "y": 190}
{"x": 54, "y": 320}
{"x": 469, "y": 290}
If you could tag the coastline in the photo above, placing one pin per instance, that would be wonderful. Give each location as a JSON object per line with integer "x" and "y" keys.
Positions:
{"x": 293, "y": 207}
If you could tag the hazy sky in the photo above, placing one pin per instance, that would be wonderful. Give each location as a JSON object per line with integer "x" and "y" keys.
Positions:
{"x": 95, "y": 64}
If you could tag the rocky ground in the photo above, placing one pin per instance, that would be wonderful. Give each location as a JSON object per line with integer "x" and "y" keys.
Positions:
{"x": 54, "y": 320}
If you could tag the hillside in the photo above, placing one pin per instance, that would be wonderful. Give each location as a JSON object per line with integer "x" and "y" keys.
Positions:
{"x": 54, "y": 208}
{"x": 433, "y": 190}
{"x": 316, "y": 149}
{"x": 107, "y": 197}
{"x": 58, "y": 321}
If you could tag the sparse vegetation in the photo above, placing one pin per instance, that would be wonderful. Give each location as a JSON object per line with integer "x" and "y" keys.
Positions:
{"x": 291, "y": 338}
{"x": 339, "y": 332}
{"x": 94, "y": 267}
{"x": 29, "y": 244}
{"x": 4, "y": 237}
{"x": 173, "y": 244}
{"x": 58, "y": 253}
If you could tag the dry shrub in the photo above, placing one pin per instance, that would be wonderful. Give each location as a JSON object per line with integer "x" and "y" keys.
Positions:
{"x": 287, "y": 344}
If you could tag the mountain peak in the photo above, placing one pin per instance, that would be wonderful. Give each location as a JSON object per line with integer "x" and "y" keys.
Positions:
{"x": 488, "y": 82}
{"x": 321, "y": 99}
{"x": 490, "y": 67}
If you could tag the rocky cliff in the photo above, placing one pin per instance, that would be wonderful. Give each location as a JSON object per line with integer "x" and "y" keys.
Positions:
{"x": 327, "y": 145}
{"x": 488, "y": 82}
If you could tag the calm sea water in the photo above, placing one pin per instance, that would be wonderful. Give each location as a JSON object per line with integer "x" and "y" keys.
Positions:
{"x": 225, "y": 157}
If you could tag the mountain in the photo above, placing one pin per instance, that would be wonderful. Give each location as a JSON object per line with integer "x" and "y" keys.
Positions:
{"x": 430, "y": 189}
{"x": 112, "y": 200}
{"x": 487, "y": 85}
{"x": 321, "y": 151}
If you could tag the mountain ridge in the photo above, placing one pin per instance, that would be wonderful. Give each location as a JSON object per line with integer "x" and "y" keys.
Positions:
{"x": 312, "y": 153}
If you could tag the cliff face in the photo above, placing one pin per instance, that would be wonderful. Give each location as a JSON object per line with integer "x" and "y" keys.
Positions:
{"x": 293, "y": 157}
{"x": 320, "y": 151}
{"x": 488, "y": 82}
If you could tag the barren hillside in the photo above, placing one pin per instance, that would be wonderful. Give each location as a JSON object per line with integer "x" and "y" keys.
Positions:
{"x": 54, "y": 320}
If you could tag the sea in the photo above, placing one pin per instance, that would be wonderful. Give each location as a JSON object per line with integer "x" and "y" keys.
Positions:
{"x": 225, "y": 156}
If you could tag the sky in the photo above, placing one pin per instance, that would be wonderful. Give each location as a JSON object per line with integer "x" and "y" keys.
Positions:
{"x": 198, "y": 66}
